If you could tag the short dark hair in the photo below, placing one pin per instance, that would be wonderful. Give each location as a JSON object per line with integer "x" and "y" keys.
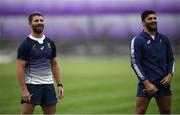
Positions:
{"x": 146, "y": 13}
{"x": 30, "y": 18}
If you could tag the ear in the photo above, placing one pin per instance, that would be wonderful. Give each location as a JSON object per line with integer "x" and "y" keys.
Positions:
{"x": 29, "y": 23}
{"x": 143, "y": 23}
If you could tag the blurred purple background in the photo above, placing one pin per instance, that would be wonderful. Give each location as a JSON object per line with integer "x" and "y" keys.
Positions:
{"x": 88, "y": 19}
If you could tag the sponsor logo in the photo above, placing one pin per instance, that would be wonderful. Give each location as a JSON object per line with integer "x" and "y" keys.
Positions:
{"x": 42, "y": 47}
{"x": 34, "y": 46}
{"x": 149, "y": 41}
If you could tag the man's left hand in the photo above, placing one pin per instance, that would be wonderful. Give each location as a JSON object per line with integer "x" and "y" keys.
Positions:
{"x": 60, "y": 92}
{"x": 166, "y": 80}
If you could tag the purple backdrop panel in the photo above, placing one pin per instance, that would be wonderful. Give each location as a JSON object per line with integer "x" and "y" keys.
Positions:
{"x": 85, "y": 27}
{"x": 67, "y": 27}
{"x": 111, "y": 26}
{"x": 15, "y": 27}
{"x": 72, "y": 7}
{"x": 169, "y": 25}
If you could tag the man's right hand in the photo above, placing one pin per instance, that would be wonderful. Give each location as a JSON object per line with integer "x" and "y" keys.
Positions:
{"x": 26, "y": 95}
{"x": 150, "y": 88}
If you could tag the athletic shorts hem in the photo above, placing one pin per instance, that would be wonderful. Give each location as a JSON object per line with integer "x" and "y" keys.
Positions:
{"x": 50, "y": 103}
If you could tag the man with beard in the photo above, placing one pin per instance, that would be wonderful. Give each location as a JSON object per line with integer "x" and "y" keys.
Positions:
{"x": 153, "y": 62}
{"x": 36, "y": 64}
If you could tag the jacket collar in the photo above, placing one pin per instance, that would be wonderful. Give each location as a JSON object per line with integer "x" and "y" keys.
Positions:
{"x": 147, "y": 36}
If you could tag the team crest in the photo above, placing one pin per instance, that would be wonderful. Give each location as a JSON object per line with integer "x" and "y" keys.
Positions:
{"x": 49, "y": 45}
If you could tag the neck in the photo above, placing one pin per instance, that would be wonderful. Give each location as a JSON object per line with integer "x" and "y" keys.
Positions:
{"x": 149, "y": 32}
{"x": 37, "y": 35}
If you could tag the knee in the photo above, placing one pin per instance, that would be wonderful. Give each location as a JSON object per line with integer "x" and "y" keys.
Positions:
{"x": 140, "y": 110}
{"x": 165, "y": 111}
{"x": 25, "y": 112}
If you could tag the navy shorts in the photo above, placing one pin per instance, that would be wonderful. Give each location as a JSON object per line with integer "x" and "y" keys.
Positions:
{"x": 162, "y": 91}
{"x": 41, "y": 94}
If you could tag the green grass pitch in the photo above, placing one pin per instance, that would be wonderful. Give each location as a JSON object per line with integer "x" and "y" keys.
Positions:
{"x": 94, "y": 86}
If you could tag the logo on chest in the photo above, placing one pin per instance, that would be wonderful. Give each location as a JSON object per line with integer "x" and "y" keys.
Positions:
{"x": 34, "y": 46}
{"x": 49, "y": 45}
{"x": 42, "y": 47}
{"x": 149, "y": 41}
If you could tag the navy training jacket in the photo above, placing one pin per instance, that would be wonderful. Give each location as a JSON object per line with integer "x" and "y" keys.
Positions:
{"x": 151, "y": 59}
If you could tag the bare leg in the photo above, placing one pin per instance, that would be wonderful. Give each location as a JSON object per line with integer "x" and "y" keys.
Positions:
{"x": 164, "y": 104}
{"x": 50, "y": 109}
{"x": 141, "y": 105}
{"x": 27, "y": 108}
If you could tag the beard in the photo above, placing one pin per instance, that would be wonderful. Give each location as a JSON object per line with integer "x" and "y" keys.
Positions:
{"x": 38, "y": 28}
{"x": 151, "y": 26}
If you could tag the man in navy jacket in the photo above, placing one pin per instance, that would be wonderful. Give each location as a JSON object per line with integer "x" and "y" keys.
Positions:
{"x": 153, "y": 62}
